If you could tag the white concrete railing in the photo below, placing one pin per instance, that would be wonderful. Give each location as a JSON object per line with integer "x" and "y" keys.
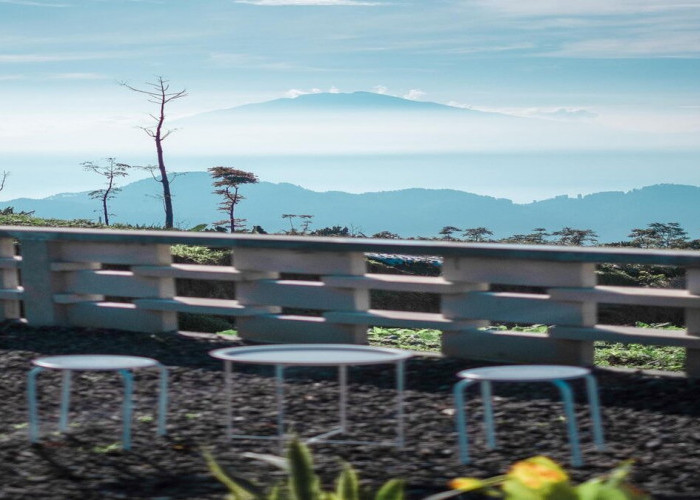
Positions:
{"x": 63, "y": 282}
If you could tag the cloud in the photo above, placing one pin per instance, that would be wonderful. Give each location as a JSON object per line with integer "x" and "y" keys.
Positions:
{"x": 325, "y": 3}
{"x": 380, "y": 89}
{"x": 35, "y": 4}
{"x": 566, "y": 114}
{"x": 334, "y": 90}
{"x": 665, "y": 45}
{"x": 414, "y": 94}
{"x": 558, "y": 8}
{"x": 77, "y": 76}
{"x": 48, "y": 58}
{"x": 297, "y": 92}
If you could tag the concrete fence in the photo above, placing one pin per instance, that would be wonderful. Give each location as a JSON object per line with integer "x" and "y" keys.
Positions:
{"x": 63, "y": 276}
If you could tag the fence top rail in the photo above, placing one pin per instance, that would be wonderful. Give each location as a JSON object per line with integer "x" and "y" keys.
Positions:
{"x": 688, "y": 258}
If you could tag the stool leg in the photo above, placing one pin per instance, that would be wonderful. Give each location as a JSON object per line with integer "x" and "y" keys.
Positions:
{"x": 400, "y": 381}
{"x": 228, "y": 394}
{"x": 488, "y": 414}
{"x": 65, "y": 400}
{"x": 33, "y": 406}
{"x": 162, "y": 400}
{"x": 594, "y": 404}
{"x": 279, "y": 396}
{"x": 461, "y": 420}
{"x": 343, "y": 402}
{"x": 127, "y": 408}
{"x": 568, "y": 400}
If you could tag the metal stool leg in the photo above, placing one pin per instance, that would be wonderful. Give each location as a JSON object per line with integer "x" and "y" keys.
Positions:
{"x": 568, "y": 400}
{"x": 279, "y": 396}
{"x": 594, "y": 404}
{"x": 33, "y": 406}
{"x": 127, "y": 408}
{"x": 343, "y": 399}
{"x": 400, "y": 381}
{"x": 65, "y": 400}
{"x": 488, "y": 414}
{"x": 461, "y": 420}
{"x": 162, "y": 400}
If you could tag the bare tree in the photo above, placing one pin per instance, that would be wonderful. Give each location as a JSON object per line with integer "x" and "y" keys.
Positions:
{"x": 305, "y": 223}
{"x": 291, "y": 222}
{"x": 228, "y": 180}
{"x": 110, "y": 172}
{"x": 159, "y": 93}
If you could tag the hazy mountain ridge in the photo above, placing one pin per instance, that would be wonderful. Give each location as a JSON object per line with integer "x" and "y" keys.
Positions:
{"x": 360, "y": 102}
{"x": 409, "y": 212}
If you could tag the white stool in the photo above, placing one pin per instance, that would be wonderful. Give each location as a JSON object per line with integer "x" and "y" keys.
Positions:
{"x": 95, "y": 362}
{"x": 556, "y": 374}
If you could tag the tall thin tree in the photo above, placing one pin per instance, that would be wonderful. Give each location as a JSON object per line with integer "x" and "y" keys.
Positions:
{"x": 228, "y": 180}
{"x": 159, "y": 93}
{"x": 110, "y": 172}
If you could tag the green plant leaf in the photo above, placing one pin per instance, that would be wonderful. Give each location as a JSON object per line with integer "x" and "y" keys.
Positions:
{"x": 237, "y": 492}
{"x": 392, "y": 490}
{"x": 303, "y": 482}
{"x": 348, "y": 486}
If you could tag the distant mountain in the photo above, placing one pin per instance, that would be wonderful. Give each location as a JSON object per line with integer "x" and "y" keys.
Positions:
{"x": 339, "y": 102}
{"x": 409, "y": 212}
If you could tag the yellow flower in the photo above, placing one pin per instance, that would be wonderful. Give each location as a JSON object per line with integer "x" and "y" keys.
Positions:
{"x": 537, "y": 472}
{"x": 466, "y": 484}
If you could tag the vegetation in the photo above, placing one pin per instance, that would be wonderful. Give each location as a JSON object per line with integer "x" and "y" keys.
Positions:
{"x": 159, "y": 93}
{"x": 110, "y": 172}
{"x": 228, "y": 181}
{"x": 641, "y": 357}
{"x": 539, "y": 478}
{"x": 302, "y": 483}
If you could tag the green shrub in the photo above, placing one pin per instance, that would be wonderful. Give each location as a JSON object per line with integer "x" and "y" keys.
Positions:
{"x": 302, "y": 483}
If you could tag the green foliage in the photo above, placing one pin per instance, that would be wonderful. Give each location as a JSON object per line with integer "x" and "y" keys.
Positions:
{"x": 202, "y": 323}
{"x": 201, "y": 255}
{"x": 539, "y": 478}
{"x": 302, "y": 482}
{"x": 637, "y": 356}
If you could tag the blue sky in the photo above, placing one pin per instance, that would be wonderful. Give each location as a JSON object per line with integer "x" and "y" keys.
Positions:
{"x": 623, "y": 66}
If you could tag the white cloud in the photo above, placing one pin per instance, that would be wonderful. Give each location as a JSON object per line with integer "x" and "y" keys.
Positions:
{"x": 380, "y": 89}
{"x": 277, "y": 3}
{"x": 78, "y": 76}
{"x": 658, "y": 44}
{"x": 414, "y": 94}
{"x": 35, "y": 4}
{"x": 334, "y": 90}
{"x": 297, "y": 92}
{"x": 589, "y": 7}
{"x": 565, "y": 114}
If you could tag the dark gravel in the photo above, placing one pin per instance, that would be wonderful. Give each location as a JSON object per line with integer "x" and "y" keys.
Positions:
{"x": 654, "y": 419}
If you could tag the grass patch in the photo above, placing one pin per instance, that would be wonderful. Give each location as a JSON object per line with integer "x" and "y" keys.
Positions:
{"x": 637, "y": 356}
{"x": 405, "y": 338}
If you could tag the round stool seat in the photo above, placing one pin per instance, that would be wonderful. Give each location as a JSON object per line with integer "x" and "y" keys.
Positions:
{"x": 524, "y": 373}
{"x": 94, "y": 362}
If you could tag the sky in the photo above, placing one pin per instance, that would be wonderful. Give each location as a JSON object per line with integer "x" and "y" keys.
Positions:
{"x": 629, "y": 69}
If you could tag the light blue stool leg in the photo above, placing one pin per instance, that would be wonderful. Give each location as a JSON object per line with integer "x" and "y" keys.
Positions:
{"x": 343, "y": 397}
{"x": 127, "y": 408}
{"x": 33, "y": 406}
{"x": 279, "y": 396}
{"x": 228, "y": 394}
{"x": 568, "y": 400}
{"x": 461, "y": 420}
{"x": 401, "y": 432}
{"x": 65, "y": 401}
{"x": 162, "y": 400}
{"x": 592, "y": 389}
{"x": 488, "y": 414}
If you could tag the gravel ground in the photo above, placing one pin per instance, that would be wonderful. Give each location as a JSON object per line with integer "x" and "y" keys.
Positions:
{"x": 654, "y": 419}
